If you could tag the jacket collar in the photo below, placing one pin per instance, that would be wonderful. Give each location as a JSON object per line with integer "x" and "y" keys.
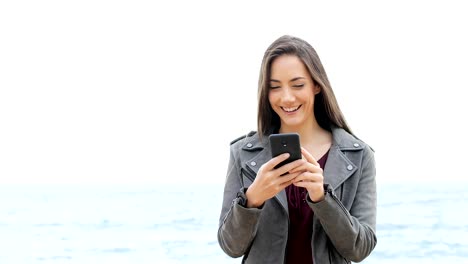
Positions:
{"x": 337, "y": 168}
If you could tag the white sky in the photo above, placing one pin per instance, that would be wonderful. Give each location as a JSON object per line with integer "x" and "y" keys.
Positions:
{"x": 139, "y": 91}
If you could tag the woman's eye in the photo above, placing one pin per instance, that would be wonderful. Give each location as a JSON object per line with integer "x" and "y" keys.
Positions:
{"x": 274, "y": 87}
{"x": 298, "y": 85}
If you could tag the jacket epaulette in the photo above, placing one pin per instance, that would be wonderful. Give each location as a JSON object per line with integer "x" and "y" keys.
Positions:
{"x": 251, "y": 133}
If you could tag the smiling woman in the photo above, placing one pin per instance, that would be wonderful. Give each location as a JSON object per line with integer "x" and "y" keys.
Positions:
{"x": 318, "y": 209}
{"x": 292, "y": 92}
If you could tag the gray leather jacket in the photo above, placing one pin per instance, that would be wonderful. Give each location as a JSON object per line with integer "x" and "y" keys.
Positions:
{"x": 343, "y": 223}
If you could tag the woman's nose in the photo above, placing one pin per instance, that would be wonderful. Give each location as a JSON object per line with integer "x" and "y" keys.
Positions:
{"x": 287, "y": 94}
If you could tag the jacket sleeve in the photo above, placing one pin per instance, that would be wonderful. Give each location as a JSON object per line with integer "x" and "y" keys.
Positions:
{"x": 351, "y": 232}
{"x": 237, "y": 224}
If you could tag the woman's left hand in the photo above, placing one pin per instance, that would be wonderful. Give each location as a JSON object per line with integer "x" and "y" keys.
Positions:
{"x": 311, "y": 178}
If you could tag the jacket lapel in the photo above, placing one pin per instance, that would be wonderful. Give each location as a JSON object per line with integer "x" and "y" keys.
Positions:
{"x": 338, "y": 167}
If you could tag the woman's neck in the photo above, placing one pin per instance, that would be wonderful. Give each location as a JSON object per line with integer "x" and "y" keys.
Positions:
{"x": 313, "y": 138}
{"x": 308, "y": 133}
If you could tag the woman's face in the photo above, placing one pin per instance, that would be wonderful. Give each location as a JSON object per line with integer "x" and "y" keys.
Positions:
{"x": 292, "y": 92}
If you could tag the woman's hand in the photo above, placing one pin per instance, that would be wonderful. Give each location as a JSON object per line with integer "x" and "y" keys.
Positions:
{"x": 270, "y": 181}
{"x": 310, "y": 177}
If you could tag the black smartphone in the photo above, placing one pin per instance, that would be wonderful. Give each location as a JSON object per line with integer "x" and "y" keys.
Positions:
{"x": 286, "y": 142}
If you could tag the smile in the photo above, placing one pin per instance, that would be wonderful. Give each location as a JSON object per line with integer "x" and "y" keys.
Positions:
{"x": 291, "y": 109}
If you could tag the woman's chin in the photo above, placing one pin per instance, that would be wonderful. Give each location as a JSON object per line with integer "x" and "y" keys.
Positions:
{"x": 291, "y": 123}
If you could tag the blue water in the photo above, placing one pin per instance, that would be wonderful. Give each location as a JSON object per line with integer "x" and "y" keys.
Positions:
{"x": 178, "y": 224}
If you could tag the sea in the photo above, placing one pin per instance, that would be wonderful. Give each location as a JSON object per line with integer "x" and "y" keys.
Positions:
{"x": 177, "y": 223}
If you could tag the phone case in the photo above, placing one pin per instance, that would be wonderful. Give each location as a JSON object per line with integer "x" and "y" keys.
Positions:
{"x": 285, "y": 143}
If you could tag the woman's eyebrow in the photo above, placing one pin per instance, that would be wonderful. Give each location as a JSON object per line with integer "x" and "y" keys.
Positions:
{"x": 292, "y": 80}
{"x": 297, "y": 78}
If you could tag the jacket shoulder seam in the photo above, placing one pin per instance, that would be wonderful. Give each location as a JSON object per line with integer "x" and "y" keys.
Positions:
{"x": 251, "y": 133}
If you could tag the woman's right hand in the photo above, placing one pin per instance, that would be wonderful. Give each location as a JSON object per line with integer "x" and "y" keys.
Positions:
{"x": 271, "y": 181}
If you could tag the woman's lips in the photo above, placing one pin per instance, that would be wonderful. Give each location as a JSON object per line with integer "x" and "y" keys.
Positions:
{"x": 291, "y": 109}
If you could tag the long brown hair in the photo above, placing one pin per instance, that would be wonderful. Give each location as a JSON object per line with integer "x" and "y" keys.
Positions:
{"x": 326, "y": 109}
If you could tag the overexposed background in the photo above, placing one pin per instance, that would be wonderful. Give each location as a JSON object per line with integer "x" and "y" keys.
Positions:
{"x": 149, "y": 92}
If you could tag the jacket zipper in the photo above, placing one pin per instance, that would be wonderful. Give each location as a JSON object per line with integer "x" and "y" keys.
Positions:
{"x": 249, "y": 175}
{"x": 340, "y": 205}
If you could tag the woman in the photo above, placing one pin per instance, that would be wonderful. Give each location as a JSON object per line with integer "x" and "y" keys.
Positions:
{"x": 323, "y": 209}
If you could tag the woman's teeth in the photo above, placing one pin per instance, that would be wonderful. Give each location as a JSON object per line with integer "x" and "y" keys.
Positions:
{"x": 290, "y": 109}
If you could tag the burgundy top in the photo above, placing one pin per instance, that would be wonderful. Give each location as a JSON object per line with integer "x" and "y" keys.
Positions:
{"x": 299, "y": 248}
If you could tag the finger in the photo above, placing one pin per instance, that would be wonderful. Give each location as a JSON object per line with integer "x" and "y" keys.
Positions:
{"x": 309, "y": 157}
{"x": 288, "y": 177}
{"x": 290, "y": 167}
{"x": 287, "y": 180}
{"x": 285, "y": 184}
{"x": 307, "y": 185}
{"x": 307, "y": 166}
{"x": 277, "y": 160}
{"x": 309, "y": 177}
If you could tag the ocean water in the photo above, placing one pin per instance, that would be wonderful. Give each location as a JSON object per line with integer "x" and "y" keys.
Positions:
{"x": 168, "y": 223}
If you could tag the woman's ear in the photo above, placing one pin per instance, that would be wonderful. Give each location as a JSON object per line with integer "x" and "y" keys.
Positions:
{"x": 317, "y": 89}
